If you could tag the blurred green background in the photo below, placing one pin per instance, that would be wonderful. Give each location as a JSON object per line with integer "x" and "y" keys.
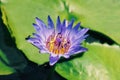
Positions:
{"x": 20, "y": 60}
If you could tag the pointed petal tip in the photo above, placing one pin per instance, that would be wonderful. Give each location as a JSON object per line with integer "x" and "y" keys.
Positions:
{"x": 82, "y": 50}
{"x": 34, "y": 34}
{"x": 48, "y": 15}
{"x": 86, "y": 35}
{"x": 49, "y": 18}
{"x": 79, "y": 24}
{"x": 83, "y": 31}
{"x": 51, "y": 64}
{"x": 73, "y": 19}
{"x": 85, "y": 49}
{"x": 66, "y": 56}
{"x": 64, "y": 21}
{"x": 87, "y": 29}
{"x": 58, "y": 19}
{"x": 27, "y": 37}
{"x": 50, "y": 22}
{"x": 38, "y": 21}
{"x": 70, "y": 24}
{"x": 58, "y": 25}
{"x": 34, "y": 24}
{"x": 76, "y": 27}
{"x": 36, "y": 18}
{"x": 53, "y": 60}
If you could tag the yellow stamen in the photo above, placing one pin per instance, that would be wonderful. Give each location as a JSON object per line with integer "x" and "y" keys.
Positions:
{"x": 57, "y": 44}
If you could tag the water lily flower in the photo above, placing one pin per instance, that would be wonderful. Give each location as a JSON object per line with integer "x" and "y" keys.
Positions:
{"x": 60, "y": 40}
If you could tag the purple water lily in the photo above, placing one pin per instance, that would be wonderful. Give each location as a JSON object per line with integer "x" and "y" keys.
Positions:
{"x": 62, "y": 40}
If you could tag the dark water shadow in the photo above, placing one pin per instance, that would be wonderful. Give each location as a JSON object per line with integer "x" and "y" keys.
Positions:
{"x": 95, "y": 36}
{"x": 79, "y": 55}
{"x": 35, "y": 72}
{"x": 16, "y": 58}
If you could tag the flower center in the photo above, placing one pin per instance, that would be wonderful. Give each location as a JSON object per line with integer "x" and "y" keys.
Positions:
{"x": 57, "y": 44}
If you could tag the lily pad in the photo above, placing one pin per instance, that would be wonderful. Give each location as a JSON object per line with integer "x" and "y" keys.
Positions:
{"x": 99, "y": 15}
{"x": 19, "y": 16}
{"x": 101, "y": 62}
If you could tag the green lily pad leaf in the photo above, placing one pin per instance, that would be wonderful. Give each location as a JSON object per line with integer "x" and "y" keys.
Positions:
{"x": 100, "y": 62}
{"x": 102, "y": 16}
{"x": 21, "y": 15}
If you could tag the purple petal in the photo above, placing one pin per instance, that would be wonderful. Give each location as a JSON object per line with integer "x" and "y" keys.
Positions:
{"x": 41, "y": 28}
{"x": 63, "y": 27}
{"x": 40, "y": 23}
{"x": 75, "y": 29}
{"x": 64, "y": 23}
{"x": 79, "y": 36}
{"x": 66, "y": 56}
{"x": 36, "y": 36}
{"x": 37, "y": 42}
{"x": 50, "y": 23}
{"x": 69, "y": 34}
{"x": 78, "y": 40}
{"x": 58, "y": 25}
{"x": 70, "y": 24}
{"x": 81, "y": 32}
{"x": 76, "y": 49}
{"x": 69, "y": 28}
{"x": 37, "y": 28}
{"x": 43, "y": 51}
{"x": 53, "y": 59}
{"x": 41, "y": 35}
